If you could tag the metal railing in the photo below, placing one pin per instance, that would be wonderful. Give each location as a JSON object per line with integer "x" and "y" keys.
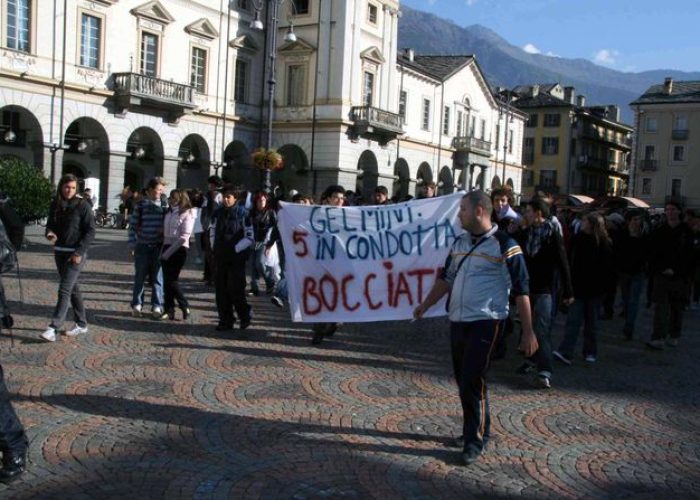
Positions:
{"x": 134, "y": 84}
{"x": 679, "y": 134}
{"x": 648, "y": 165}
{"x": 471, "y": 143}
{"x": 377, "y": 118}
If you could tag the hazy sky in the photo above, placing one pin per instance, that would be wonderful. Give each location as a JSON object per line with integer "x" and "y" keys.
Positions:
{"x": 627, "y": 35}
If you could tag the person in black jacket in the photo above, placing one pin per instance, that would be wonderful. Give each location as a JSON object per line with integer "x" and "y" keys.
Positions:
{"x": 591, "y": 267}
{"x": 71, "y": 229}
{"x": 671, "y": 267}
{"x": 232, "y": 242}
{"x": 13, "y": 439}
{"x": 543, "y": 248}
{"x": 631, "y": 257}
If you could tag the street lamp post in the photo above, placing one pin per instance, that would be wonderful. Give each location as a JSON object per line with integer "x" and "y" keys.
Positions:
{"x": 273, "y": 9}
{"x": 507, "y": 114}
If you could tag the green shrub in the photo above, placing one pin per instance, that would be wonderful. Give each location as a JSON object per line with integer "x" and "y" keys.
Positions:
{"x": 29, "y": 190}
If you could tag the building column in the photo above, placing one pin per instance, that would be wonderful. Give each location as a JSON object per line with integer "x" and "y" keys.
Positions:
{"x": 170, "y": 166}
{"x": 114, "y": 179}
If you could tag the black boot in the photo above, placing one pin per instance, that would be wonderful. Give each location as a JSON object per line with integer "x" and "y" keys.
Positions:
{"x": 13, "y": 465}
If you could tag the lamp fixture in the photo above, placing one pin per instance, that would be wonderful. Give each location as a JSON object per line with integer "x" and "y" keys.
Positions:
{"x": 190, "y": 158}
{"x": 81, "y": 147}
{"x": 256, "y": 24}
{"x": 290, "y": 36}
{"x": 10, "y": 136}
{"x": 139, "y": 153}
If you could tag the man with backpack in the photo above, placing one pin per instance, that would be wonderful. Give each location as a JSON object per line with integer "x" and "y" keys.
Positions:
{"x": 13, "y": 440}
{"x": 145, "y": 241}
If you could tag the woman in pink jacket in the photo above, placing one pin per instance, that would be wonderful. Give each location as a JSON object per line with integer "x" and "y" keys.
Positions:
{"x": 177, "y": 229}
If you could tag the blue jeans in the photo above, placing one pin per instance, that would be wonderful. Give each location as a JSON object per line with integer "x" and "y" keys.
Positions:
{"x": 282, "y": 290}
{"x": 472, "y": 343}
{"x": 68, "y": 291}
{"x": 631, "y": 286}
{"x": 582, "y": 311}
{"x": 147, "y": 263}
{"x": 541, "y": 305}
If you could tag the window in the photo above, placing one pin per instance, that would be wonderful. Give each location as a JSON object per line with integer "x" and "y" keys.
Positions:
{"x": 680, "y": 122}
{"x": 646, "y": 185}
{"x": 460, "y": 119}
{"x": 403, "y": 97}
{"x": 198, "y": 70}
{"x": 301, "y": 6}
{"x": 528, "y": 178}
{"x": 18, "y": 18}
{"x": 548, "y": 178}
{"x": 472, "y": 127}
{"x": 240, "y": 80}
{"x": 678, "y": 153}
{"x": 243, "y": 4}
{"x": 675, "y": 187}
{"x": 510, "y": 142}
{"x": 649, "y": 152}
{"x": 532, "y": 120}
{"x": 483, "y": 130}
{"x": 551, "y": 120}
{"x": 149, "y": 54}
{"x": 90, "y": 41}
{"x": 446, "y": 121}
{"x": 550, "y": 145}
{"x": 652, "y": 124}
{"x": 372, "y": 13}
{"x": 425, "y": 125}
{"x": 368, "y": 88}
{"x": 295, "y": 85}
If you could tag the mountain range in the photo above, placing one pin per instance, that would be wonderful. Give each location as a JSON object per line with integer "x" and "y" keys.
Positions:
{"x": 507, "y": 65}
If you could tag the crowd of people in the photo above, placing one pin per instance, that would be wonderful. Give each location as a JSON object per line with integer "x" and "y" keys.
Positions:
{"x": 549, "y": 261}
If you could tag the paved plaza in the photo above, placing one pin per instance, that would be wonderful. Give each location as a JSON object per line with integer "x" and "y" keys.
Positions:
{"x": 145, "y": 409}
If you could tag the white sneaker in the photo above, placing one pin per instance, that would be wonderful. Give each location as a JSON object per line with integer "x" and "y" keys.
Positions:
{"x": 158, "y": 313}
{"x": 49, "y": 335}
{"x": 136, "y": 311}
{"x": 590, "y": 359}
{"x": 76, "y": 330}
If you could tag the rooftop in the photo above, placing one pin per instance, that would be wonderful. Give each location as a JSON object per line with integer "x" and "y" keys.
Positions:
{"x": 680, "y": 92}
{"x": 440, "y": 67}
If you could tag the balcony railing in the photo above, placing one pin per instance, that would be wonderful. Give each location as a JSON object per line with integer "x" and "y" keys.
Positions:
{"x": 679, "y": 134}
{"x": 469, "y": 143}
{"x": 648, "y": 165}
{"x": 134, "y": 85}
{"x": 375, "y": 120}
{"x": 591, "y": 133}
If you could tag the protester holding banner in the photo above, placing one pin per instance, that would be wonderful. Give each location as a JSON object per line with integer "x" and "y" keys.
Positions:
{"x": 483, "y": 267}
{"x": 334, "y": 196}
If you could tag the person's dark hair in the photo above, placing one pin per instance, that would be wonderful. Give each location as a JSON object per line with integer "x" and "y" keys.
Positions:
{"x": 196, "y": 197}
{"x": 597, "y": 223}
{"x": 215, "y": 179}
{"x": 155, "y": 182}
{"x": 631, "y": 214}
{"x": 674, "y": 203}
{"x": 538, "y": 204}
{"x": 65, "y": 179}
{"x": 298, "y": 198}
{"x": 230, "y": 189}
{"x": 430, "y": 184}
{"x": 381, "y": 190}
{"x": 503, "y": 191}
{"x": 331, "y": 190}
{"x": 182, "y": 199}
{"x": 478, "y": 198}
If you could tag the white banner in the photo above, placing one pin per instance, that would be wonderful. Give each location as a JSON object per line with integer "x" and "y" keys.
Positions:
{"x": 374, "y": 263}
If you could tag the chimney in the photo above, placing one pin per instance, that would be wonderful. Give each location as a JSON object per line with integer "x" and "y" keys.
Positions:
{"x": 535, "y": 90}
{"x": 581, "y": 101}
{"x": 409, "y": 54}
{"x": 668, "y": 85}
{"x": 569, "y": 95}
{"x": 613, "y": 113}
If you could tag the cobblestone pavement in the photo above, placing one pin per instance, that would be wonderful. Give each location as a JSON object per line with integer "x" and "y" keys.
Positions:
{"x": 175, "y": 410}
